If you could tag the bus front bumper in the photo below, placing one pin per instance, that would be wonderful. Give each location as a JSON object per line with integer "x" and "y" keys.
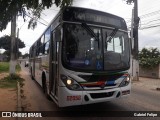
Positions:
{"x": 71, "y": 98}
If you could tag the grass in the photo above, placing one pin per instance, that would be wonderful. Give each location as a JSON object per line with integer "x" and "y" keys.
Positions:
{"x": 11, "y": 81}
{"x": 4, "y": 67}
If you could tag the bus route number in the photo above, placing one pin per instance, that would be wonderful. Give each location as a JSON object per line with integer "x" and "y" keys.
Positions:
{"x": 73, "y": 98}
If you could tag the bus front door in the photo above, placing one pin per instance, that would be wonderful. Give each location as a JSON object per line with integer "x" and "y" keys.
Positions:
{"x": 54, "y": 65}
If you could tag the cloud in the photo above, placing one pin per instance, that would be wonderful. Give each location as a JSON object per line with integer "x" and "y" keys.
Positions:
{"x": 117, "y": 7}
{"x": 148, "y": 40}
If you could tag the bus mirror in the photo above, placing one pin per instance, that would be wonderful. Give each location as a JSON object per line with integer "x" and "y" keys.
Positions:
{"x": 58, "y": 35}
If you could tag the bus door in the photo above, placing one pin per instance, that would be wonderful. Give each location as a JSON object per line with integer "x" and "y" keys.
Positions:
{"x": 54, "y": 66}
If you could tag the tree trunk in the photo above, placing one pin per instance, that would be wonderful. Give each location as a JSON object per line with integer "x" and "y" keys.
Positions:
{"x": 13, "y": 46}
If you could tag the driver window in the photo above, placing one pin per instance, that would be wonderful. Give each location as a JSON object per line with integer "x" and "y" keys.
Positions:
{"x": 110, "y": 45}
{"x": 116, "y": 45}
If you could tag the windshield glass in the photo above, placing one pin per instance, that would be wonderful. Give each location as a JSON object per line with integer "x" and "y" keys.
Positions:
{"x": 116, "y": 50}
{"x": 88, "y": 49}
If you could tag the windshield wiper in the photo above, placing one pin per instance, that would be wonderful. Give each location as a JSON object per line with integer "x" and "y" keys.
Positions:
{"x": 89, "y": 30}
{"x": 113, "y": 33}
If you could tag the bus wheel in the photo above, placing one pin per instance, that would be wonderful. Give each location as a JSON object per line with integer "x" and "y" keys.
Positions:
{"x": 45, "y": 86}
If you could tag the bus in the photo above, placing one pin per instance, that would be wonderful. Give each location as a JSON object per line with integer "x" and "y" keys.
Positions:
{"x": 82, "y": 57}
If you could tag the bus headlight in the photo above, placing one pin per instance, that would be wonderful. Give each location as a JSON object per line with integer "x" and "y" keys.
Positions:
{"x": 70, "y": 83}
{"x": 126, "y": 81}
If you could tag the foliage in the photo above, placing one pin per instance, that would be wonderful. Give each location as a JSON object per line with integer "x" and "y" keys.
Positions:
{"x": 9, "y": 8}
{"x": 129, "y": 1}
{"x": 18, "y": 68}
{"x": 4, "y": 67}
{"x": 26, "y": 55}
{"x": 7, "y": 53}
{"x": 10, "y": 81}
{"x": 5, "y": 43}
{"x": 149, "y": 58}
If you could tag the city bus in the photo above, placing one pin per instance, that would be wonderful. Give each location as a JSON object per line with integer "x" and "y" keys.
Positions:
{"x": 82, "y": 57}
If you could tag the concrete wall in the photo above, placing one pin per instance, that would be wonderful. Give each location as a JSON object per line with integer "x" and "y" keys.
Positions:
{"x": 151, "y": 73}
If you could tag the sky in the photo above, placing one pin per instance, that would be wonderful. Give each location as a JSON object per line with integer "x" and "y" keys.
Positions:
{"x": 148, "y": 11}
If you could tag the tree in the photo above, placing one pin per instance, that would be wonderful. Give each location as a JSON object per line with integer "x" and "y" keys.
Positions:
{"x": 129, "y": 1}
{"x": 25, "y": 55}
{"x": 149, "y": 58}
{"x": 9, "y": 8}
{"x": 5, "y": 43}
{"x": 7, "y": 53}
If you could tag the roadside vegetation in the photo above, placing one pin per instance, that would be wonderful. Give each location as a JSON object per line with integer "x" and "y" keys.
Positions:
{"x": 10, "y": 81}
{"x": 149, "y": 58}
{"x": 18, "y": 68}
{"x": 4, "y": 67}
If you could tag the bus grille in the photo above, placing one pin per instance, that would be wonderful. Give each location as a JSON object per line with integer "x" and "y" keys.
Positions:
{"x": 101, "y": 95}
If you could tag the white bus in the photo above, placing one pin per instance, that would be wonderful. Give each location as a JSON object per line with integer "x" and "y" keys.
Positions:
{"x": 83, "y": 57}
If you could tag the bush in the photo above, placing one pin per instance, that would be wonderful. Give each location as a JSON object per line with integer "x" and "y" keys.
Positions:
{"x": 149, "y": 58}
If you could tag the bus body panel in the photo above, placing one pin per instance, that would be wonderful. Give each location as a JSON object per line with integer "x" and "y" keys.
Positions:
{"x": 38, "y": 71}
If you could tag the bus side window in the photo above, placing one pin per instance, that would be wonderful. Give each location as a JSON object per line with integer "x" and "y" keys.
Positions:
{"x": 47, "y": 41}
{"x": 46, "y": 48}
{"x": 41, "y": 50}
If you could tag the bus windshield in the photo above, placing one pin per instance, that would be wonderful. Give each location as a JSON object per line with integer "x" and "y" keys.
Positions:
{"x": 90, "y": 48}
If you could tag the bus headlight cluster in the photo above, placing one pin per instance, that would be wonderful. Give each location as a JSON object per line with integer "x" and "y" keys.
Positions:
{"x": 126, "y": 81}
{"x": 70, "y": 83}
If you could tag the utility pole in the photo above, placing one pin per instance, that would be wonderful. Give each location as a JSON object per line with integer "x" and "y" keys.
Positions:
{"x": 135, "y": 35}
{"x": 134, "y": 38}
{"x": 13, "y": 46}
{"x": 17, "y": 43}
{"x": 135, "y": 29}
